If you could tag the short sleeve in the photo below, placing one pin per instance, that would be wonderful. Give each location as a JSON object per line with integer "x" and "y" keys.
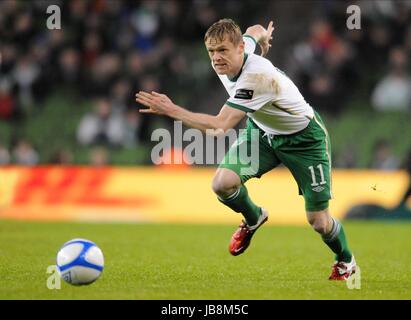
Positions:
{"x": 249, "y": 95}
{"x": 250, "y": 44}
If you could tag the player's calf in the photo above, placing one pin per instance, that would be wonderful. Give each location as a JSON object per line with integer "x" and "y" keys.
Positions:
{"x": 227, "y": 185}
{"x": 333, "y": 235}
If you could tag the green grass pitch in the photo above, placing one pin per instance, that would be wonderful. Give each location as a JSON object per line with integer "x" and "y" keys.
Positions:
{"x": 159, "y": 261}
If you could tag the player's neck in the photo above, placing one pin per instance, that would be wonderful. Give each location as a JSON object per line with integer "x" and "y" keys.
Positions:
{"x": 237, "y": 72}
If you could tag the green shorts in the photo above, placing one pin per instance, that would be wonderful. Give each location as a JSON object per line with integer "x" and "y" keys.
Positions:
{"x": 307, "y": 154}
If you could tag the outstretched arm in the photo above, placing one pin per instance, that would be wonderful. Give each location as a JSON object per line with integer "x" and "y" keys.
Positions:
{"x": 261, "y": 36}
{"x": 160, "y": 104}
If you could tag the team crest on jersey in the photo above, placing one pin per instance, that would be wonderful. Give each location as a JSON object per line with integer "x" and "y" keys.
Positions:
{"x": 318, "y": 189}
{"x": 244, "y": 94}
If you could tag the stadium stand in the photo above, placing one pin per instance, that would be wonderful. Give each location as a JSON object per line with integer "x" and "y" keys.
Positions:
{"x": 51, "y": 80}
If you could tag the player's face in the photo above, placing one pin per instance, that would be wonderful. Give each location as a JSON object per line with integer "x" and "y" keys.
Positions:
{"x": 226, "y": 57}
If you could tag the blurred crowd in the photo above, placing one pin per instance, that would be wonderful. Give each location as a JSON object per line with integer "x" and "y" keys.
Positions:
{"x": 109, "y": 49}
{"x": 335, "y": 64}
{"x": 105, "y": 51}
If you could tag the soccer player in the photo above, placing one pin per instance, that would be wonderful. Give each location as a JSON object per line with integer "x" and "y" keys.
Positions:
{"x": 289, "y": 132}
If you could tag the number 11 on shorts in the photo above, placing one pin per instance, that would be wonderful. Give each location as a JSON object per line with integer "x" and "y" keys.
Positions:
{"x": 320, "y": 168}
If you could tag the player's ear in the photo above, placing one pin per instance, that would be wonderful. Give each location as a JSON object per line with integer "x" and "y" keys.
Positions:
{"x": 241, "y": 46}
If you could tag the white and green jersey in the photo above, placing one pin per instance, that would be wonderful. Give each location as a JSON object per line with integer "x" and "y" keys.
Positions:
{"x": 268, "y": 96}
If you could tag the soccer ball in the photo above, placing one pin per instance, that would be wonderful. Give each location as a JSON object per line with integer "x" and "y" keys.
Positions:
{"x": 80, "y": 261}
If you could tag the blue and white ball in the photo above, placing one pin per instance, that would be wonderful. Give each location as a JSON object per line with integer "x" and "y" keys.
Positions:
{"x": 80, "y": 262}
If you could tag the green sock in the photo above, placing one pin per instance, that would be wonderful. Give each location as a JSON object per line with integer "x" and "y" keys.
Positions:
{"x": 239, "y": 201}
{"x": 337, "y": 242}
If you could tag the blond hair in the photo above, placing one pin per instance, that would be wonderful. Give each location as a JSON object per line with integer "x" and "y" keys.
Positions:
{"x": 222, "y": 29}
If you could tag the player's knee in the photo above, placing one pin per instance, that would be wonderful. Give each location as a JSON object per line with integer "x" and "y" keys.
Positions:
{"x": 319, "y": 222}
{"x": 320, "y": 226}
{"x": 223, "y": 186}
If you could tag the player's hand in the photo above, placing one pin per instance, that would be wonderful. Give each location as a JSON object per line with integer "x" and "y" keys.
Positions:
{"x": 262, "y": 36}
{"x": 156, "y": 103}
{"x": 265, "y": 39}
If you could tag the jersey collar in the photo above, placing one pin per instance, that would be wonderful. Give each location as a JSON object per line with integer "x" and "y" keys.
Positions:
{"x": 235, "y": 78}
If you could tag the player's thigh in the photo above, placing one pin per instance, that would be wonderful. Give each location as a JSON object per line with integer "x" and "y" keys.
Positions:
{"x": 308, "y": 157}
{"x": 250, "y": 156}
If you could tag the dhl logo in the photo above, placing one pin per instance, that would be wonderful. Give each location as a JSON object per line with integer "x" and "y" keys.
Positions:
{"x": 70, "y": 185}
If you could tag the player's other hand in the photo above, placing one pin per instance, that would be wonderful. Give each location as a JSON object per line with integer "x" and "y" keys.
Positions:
{"x": 262, "y": 35}
{"x": 265, "y": 39}
{"x": 156, "y": 103}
